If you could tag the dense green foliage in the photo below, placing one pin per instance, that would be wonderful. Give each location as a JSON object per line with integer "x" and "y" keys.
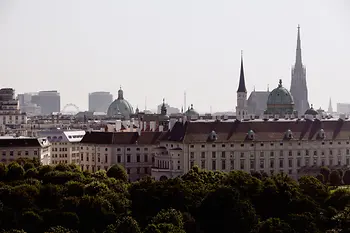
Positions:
{"x": 61, "y": 199}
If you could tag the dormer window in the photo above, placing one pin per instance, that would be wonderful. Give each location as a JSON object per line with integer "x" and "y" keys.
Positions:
{"x": 321, "y": 134}
{"x": 213, "y": 136}
{"x": 251, "y": 135}
{"x": 289, "y": 134}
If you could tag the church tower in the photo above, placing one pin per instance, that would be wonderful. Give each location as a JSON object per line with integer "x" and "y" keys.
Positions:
{"x": 298, "y": 87}
{"x": 241, "y": 108}
{"x": 330, "y": 108}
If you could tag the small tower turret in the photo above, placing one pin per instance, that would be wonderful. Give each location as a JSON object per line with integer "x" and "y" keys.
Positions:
{"x": 164, "y": 118}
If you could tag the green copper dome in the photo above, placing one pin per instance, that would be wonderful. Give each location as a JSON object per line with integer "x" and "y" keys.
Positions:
{"x": 280, "y": 96}
{"x": 191, "y": 112}
{"x": 311, "y": 111}
{"x": 280, "y": 102}
{"x": 120, "y": 107}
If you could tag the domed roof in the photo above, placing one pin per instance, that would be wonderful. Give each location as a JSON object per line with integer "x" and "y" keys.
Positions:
{"x": 120, "y": 106}
{"x": 280, "y": 96}
{"x": 311, "y": 111}
{"x": 191, "y": 112}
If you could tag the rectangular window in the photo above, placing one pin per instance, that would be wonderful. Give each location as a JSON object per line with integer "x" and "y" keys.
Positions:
{"x": 213, "y": 165}
{"x": 203, "y": 155}
{"x": 232, "y": 164}
{"x": 223, "y": 164}
{"x": 272, "y": 163}
{"x": 213, "y": 155}
{"x": 242, "y": 164}
{"x": 261, "y": 163}
{"x": 290, "y": 163}
{"x": 119, "y": 159}
{"x": 281, "y": 163}
{"x": 192, "y": 155}
{"x": 138, "y": 158}
{"x": 106, "y": 159}
{"x": 223, "y": 155}
{"x": 252, "y": 164}
{"x": 191, "y": 164}
{"x": 203, "y": 164}
{"x": 146, "y": 158}
{"x": 128, "y": 158}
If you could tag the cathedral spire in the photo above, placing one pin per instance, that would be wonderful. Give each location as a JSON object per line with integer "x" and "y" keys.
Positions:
{"x": 330, "y": 108}
{"x": 298, "y": 60}
{"x": 241, "y": 86}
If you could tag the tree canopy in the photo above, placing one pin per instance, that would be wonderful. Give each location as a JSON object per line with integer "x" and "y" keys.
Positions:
{"x": 62, "y": 198}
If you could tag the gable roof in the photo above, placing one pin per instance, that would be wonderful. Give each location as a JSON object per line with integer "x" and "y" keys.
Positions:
{"x": 237, "y": 131}
{"x": 123, "y": 138}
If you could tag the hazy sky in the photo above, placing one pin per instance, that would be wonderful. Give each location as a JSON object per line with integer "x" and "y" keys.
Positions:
{"x": 160, "y": 48}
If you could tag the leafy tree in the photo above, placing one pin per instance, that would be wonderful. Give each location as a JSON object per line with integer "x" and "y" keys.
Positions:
{"x": 273, "y": 225}
{"x": 100, "y": 175}
{"x": 335, "y": 178}
{"x": 15, "y": 171}
{"x": 75, "y": 188}
{"x": 43, "y": 170}
{"x": 60, "y": 229}
{"x": 3, "y": 171}
{"x": 31, "y": 173}
{"x": 320, "y": 178}
{"x": 117, "y": 172}
{"x": 127, "y": 225}
{"x": 222, "y": 204}
{"x": 62, "y": 167}
{"x": 95, "y": 188}
{"x": 325, "y": 172}
{"x": 31, "y": 221}
{"x": 163, "y": 228}
{"x": 346, "y": 177}
{"x": 28, "y": 165}
{"x": 170, "y": 216}
{"x": 314, "y": 188}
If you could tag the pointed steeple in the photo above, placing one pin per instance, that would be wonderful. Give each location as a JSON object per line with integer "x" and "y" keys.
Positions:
{"x": 241, "y": 86}
{"x": 298, "y": 60}
{"x": 330, "y": 108}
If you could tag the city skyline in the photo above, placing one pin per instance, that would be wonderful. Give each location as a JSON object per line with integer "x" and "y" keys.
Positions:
{"x": 153, "y": 53}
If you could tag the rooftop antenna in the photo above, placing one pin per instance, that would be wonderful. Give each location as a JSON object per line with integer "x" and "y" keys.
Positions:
{"x": 145, "y": 102}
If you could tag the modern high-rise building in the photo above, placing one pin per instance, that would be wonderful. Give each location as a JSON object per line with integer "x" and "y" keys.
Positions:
{"x": 298, "y": 86}
{"x": 49, "y": 101}
{"x": 100, "y": 101}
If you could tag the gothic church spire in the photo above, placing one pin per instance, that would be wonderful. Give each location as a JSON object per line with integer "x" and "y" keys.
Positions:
{"x": 241, "y": 86}
{"x": 298, "y": 60}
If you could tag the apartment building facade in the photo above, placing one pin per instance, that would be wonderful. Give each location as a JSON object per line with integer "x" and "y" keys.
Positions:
{"x": 13, "y": 148}
{"x": 272, "y": 146}
{"x": 101, "y": 150}
{"x": 65, "y": 145}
